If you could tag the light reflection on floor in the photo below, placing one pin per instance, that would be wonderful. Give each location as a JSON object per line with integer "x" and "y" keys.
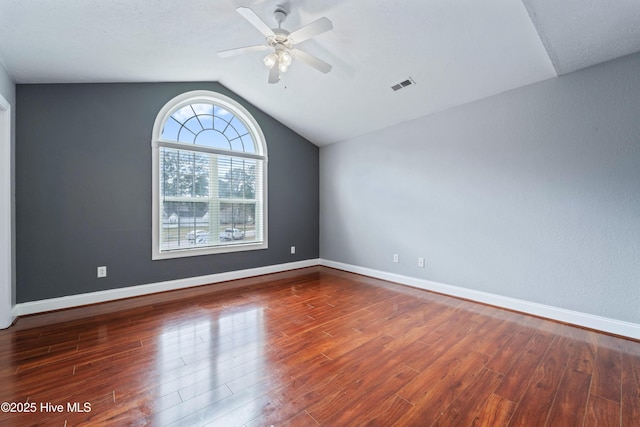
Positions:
{"x": 213, "y": 358}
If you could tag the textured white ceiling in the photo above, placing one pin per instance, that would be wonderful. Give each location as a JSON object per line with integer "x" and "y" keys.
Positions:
{"x": 457, "y": 51}
{"x": 581, "y": 33}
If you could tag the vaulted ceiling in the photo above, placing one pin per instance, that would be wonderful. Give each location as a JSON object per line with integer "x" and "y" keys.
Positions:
{"x": 456, "y": 51}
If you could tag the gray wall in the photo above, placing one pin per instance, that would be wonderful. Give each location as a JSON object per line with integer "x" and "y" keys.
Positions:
{"x": 532, "y": 194}
{"x": 83, "y": 190}
{"x": 8, "y": 92}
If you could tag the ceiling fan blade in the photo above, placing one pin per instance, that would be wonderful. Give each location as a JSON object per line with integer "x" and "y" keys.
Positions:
{"x": 311, "y": 60}
{"x": 274, "y": 74}
{"x": 255, "y": 20}
{"x": 319, "y": 26}
{"x": 240, "y": 50}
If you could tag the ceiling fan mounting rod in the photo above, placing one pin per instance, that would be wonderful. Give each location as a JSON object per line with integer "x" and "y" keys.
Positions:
{"x": 280, "y": 14}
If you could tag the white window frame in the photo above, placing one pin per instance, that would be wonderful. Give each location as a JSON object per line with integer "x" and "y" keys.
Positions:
{"x": 194, "y": 97}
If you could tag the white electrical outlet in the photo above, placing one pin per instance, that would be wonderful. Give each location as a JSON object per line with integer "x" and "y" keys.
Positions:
{"x": 293, "y": 250}
{"x": 102, "y": 271}
{"x": 420, "y": 262}
{"x": 395, "y": 257}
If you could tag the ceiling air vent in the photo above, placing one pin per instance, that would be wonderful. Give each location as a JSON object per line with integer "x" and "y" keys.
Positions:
{"x": 403, "y": 84}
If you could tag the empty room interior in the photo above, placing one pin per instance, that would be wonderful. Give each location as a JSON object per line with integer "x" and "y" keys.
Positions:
{"x": 336, "y": 213}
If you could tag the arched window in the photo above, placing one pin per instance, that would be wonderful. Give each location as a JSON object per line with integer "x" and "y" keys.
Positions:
{"x": 209, "y": 178}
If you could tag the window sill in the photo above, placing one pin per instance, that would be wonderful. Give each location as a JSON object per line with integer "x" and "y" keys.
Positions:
{"x": 190, "y": 252}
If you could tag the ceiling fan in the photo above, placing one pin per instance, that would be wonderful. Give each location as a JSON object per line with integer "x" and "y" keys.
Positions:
{"x": 282, "y": 43}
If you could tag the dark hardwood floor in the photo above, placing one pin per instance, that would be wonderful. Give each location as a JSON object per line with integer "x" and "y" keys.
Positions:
{"x": 311, "y": 347}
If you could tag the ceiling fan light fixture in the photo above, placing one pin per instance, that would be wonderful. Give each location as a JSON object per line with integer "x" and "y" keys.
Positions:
{"x": 285, "y": 58}
{"x": 270, "y": 60}
{"x": 282, "y": 67}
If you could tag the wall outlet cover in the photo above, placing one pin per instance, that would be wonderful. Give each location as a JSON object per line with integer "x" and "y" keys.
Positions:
{"x": 102, "y": 271}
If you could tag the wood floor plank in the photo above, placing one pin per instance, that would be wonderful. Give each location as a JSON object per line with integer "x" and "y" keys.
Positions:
{"x": 607, "y": 374}
{"x": 431, "y": 399}
{"x": 584, "y": 358}
{"x": 495, "y": 335}
{"x": 291, "y": 390}
{"x": 387, "y": 412}
{"x": 71, "y": 356}
{"x": 444, "y": 348}
{"x": 570, "y": 403}
{"x": 603, "y": 413}
{"x": 519, "y": 375}
{"x": 355, "y": 410}
{"x": 631, "y": 389}
{"x": 361, "y": 374}
{"x": 505, "y": 356}
{"x": 467, "y": 406}
{"x": 303, "y": 419}
{"x": 537, "y": 400}
{"x": 314, "y": 346}
{"x": 496, "y": 412}
{"x": 427, "y": 314}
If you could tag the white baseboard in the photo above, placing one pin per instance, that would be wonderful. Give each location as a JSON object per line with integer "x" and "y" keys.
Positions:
{"x": 134, "y": 291}
{"x": 6, "y": 321}
{"x": 613, "y": 326}
{"x": 586, "y": 320}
